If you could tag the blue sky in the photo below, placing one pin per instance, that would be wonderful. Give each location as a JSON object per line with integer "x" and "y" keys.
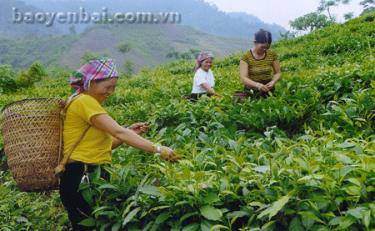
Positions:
{"x": 282, "y": 11}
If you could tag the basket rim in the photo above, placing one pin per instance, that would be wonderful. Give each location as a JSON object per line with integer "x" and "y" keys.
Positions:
{"x": 27, "y": 99}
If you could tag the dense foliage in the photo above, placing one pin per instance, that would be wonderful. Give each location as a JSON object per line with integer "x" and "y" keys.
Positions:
{"x": 302, "y": 159}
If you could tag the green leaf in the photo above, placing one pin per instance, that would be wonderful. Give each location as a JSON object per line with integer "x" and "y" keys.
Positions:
{"x": 211, "y": 213}
{"x": 88, "y": 195}
{"x": 187, "y": 216}
{"x": 116, "y": 227}
{"x": 344, "y": 159}
{"x": 150, "y": 190}
{"x": 275, "y": 208}
{"x": 211, "y": 198}
{"x": 262, "y": 169}
{"x": 296, "y": 225}
{"x": 347, "y": 145}
{"x": 236, "y": 214}
{"x": 218, "y": 227}
{"x": 162, "y": 218}
{"x": 130, "y": 216}
{"x": 346, "y": 222}
{"x": 191, "y": 227}
{"x": 108, "y": 186}
{"x": 353, "y": 190}
{"x": 205, "y": 225}
{"x": 88, "y": 222}
{"x": 269, "y": 226}
{"x": 357, "y": 212}
{"x": 335, "y": 221}
{"x": 367, "y": 218}
{"x": 311, "y": 215}
{"x": 373, "y": 84}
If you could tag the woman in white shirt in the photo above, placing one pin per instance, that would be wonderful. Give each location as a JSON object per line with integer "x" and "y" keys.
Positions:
{"x": 204, "y": 81}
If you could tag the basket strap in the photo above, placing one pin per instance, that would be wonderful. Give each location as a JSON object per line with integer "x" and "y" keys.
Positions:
{"x": 61, "y": 166}
{"x": 62, "y": 118}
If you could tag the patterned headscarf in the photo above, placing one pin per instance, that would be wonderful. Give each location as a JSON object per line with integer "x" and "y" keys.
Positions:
{"x": 201, "y": 57}
{"x": 93, "y": 70}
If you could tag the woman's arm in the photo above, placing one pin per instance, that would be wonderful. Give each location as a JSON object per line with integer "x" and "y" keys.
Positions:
{"x": 208, "y": 88}
{"x": 277, "y": 74}
{"x": 244, "y": 76}
{"x": 116, "y": 142}
{"x": 105, "y": 123}
{"x": 277, "y": 70}
{"x": 138, "y": 128}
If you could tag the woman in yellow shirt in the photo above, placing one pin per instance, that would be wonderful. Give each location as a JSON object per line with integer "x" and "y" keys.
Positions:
{"x": 87, "y": 121}
{"x": 258, "y": 64}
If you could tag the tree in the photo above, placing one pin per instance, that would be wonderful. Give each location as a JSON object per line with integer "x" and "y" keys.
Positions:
{"x": 287, "y": 35}
{"x": 27, "y": 78}
{"x": 128, "y": 68}
{"x": 173, "y": 55}
{"x": 7, "y": 82}
{"x": 37, "y": 72}
{"x": 325, "y": 5}
{"x": 367, "y": 3}
{"x": 310, "y": 22}
{"x": 349, "y": 15}
{"x": 188, "y": 55}
{"x": 124, "y": 47}
{"x": 23, "y": 79}
{"x": 368, "y": 6}
{"x": 90, "y": 55}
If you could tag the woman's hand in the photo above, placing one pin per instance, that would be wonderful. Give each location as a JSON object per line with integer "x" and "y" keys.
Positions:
{"x": 262, "y": 88}
{"x": 62, "y": 104}
{"x": 139, "y": 128}
{"x": 270, "y": 85}
{"x": 168, "y": 154}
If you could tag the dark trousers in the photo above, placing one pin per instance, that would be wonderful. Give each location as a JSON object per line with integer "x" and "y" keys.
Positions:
{"x": 195, "y": 96}
{"x": 76, "y": 206}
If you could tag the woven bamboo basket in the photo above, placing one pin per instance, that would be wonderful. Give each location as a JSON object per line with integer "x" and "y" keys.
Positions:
{"x": 32, "y": 134}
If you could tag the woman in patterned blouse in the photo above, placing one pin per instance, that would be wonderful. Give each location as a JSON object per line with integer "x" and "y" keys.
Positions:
{"x": 259, "y": 67}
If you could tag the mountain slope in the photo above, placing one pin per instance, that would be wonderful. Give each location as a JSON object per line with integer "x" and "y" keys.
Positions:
{"x": 195, "y": 13}
{"x": 149, "y": 45}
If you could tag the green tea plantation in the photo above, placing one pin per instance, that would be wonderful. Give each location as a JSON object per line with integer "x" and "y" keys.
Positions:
{"x": 301, "y": 159}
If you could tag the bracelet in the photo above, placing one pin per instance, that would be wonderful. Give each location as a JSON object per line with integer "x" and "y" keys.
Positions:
{"x": 158, "y": 148}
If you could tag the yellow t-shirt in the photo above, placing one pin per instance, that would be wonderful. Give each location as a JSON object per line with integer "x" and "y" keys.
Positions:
{"x": 96, "y": 146}
{"x": 260, "y": 70}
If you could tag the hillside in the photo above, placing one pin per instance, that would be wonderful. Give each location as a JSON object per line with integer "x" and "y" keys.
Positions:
{"x": 149, "y": 45}
{"x": 302, "y": 159}
{"x": 195, "y": 13}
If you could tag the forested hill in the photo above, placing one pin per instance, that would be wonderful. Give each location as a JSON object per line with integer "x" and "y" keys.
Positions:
{"x": 195, "y": 13}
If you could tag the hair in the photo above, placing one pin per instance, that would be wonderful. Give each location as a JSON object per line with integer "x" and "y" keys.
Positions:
{"x": 263, "y": 36}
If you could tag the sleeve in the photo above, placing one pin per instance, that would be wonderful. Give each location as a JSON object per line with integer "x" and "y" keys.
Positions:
{"x": 87, "y": 107}
{"x": 200, "y": 78}
{"x": 275, "y": 56}
{"x": 245, "y": 58}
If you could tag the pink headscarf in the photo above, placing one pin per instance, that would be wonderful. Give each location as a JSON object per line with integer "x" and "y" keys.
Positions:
{"x": 201, "y": 57}
{"x": 93, "y": 70}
